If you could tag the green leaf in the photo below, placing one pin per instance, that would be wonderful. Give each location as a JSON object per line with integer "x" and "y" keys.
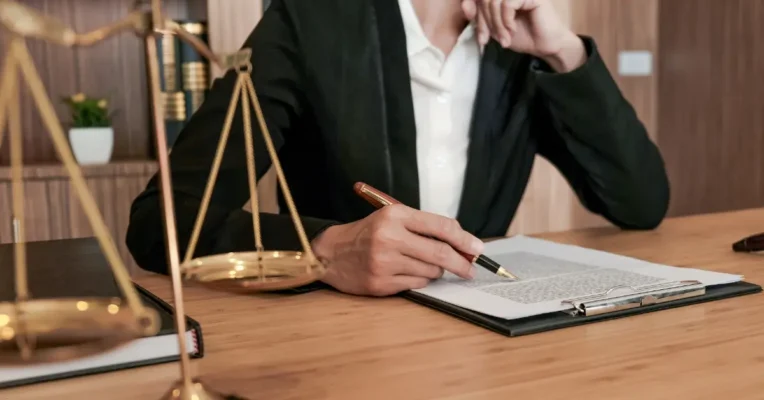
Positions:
{"x": 87, "y": 113}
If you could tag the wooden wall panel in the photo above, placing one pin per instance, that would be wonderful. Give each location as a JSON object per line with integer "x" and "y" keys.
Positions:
{"x": 53, "y": 211}
{"x": 637, "y": 29}
{"x": 231, "y": 21}
{"x": 58, "y": 202}
{"x": 711, "y": 97}
{"x": 114, "y": 69}
{"x": 36, "y": 210}
{"x": 616, "y": 25}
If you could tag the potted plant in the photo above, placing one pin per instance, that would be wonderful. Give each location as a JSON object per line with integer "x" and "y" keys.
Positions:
{"x": 91, "y": 134}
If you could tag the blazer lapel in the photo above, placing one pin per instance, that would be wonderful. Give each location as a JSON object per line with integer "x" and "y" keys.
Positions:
{"x": 496, "y": 68}
{"x": 398, "y": 104}
{"x": 372, "y": 121}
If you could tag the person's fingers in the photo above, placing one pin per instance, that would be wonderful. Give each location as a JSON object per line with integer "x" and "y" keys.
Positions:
{"x": 414, "y": 240}
{"x": 445, "y": 229}
{"x": 436, "y": 252}
{"x": 414, "y": 267}
{"x": 500, "y": 32}
{"x": 524, "y": 5}
{"x": 470, "y": 9}
{"x": 508, "y": 14}
{"x": 485, "y": 11}
{"x": 483, "y": 30}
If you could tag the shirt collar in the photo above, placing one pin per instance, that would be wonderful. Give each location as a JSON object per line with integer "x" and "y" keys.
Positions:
{"x": 416, "y": 40}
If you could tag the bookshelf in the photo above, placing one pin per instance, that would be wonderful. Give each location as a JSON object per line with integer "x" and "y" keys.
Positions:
{"x": 116, "y": 68}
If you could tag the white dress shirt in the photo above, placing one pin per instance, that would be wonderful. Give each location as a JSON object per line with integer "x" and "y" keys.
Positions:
{"x": 443, "y": 91}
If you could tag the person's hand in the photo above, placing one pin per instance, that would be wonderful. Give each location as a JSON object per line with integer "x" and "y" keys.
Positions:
{"x": 527, "y": 26}
{"x": 388, "y": 251}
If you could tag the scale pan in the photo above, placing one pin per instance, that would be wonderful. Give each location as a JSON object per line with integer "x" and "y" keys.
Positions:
{"x": 65, "y": 329}
{"x": 249, "y": 272}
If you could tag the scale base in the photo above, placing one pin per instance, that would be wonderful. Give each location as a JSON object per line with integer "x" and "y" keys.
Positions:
{"x": 197, "y": 391}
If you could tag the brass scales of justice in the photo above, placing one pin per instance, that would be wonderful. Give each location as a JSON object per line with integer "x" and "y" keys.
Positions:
{"x": 36, "y": 331}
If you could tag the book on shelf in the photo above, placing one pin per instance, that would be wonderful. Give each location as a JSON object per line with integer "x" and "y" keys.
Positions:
{"x": 194, "y": 68}
{"x": 185, "y": 76}
{"x": 77, "y": 268}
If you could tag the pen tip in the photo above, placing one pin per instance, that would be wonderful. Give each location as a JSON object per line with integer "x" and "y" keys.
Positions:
{"x": 504, "y": 273}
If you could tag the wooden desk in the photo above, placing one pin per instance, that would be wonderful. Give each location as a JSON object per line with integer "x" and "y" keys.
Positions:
{"x": 329, "y": 346}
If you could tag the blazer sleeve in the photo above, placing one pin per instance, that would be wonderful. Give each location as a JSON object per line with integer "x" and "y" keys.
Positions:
{"x": 591, "y": 133}
{"x": 278, "y": 80}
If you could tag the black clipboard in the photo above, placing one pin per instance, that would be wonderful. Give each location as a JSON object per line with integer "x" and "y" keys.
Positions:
{"x": 560, "y": 320}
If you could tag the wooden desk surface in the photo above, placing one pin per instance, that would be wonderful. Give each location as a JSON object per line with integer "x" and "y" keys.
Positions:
{"x": 330, "y": 346}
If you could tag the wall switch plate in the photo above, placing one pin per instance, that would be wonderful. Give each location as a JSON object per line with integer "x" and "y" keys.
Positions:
{"x": 635, "y": 63}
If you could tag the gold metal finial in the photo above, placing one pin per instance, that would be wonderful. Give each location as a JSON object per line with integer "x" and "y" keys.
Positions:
{"x": 239, "y": 60}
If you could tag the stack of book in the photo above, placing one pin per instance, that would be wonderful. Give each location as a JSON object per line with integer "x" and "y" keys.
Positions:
{"x": 185, "y": 77}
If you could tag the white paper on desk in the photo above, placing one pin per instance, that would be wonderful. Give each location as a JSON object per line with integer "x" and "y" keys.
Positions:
{"x": 550, "y": 273}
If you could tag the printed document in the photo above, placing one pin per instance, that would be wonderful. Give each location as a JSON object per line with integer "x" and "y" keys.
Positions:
{"x": 550, "y": 273}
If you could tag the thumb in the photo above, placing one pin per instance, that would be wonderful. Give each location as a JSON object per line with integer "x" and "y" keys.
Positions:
{"x": 470, "y": 9}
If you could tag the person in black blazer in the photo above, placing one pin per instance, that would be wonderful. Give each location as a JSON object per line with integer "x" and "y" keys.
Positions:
{"x": 443, "y": 105}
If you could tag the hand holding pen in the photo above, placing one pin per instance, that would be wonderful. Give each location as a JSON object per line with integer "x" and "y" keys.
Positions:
{"x": 395, "y": 249}
{"x": 379, "y": 199}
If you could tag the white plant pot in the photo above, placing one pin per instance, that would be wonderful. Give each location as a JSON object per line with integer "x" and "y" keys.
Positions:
{"x": 92, "y": 145}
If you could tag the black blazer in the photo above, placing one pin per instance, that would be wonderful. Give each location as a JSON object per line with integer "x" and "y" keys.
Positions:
{"x": 333, "y": 80}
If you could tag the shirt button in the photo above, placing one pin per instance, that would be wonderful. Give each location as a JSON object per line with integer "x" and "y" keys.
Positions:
{"x": 440, "y": 161}
{"x": 442, "y": 98}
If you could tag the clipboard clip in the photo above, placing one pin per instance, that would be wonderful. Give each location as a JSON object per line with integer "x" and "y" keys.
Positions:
{"x": 626, "y": 297}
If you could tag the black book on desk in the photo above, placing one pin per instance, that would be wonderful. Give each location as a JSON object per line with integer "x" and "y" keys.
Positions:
{"x": 77, "y": 268}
